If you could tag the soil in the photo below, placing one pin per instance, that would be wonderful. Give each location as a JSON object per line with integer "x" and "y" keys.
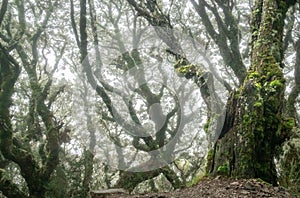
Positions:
{"x": 220, "y": 187}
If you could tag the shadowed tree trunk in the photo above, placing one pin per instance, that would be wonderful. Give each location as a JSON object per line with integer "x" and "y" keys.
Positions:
{"x": 254, "y": 125}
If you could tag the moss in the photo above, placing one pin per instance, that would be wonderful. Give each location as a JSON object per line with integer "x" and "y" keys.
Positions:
{"x": 195, "y": 180}
{"x": 284, "y": 129}
{"x": 257, "y": 44}
{"x": 209, "y": 161}
{"x": 236, "y": 95}
{"x": 246, "y": 119}
{"x": 258, "y": 86}
{"x": 289, "y": 123}
{"x": 206, "y": 125}
{"x": 276, "y": 84}
{"x": 186, "y": 68}
{"x": 254, "y": 75}
{"x": 258, "y": 104}
{"x": 223, "y": 170}
{"x": 263, "y": 181}
{"x": 210, "y": 154}
{"x": 181, "y": 62}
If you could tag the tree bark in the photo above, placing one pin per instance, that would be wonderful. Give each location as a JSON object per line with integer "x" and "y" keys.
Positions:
{"x": 255, "y": 125}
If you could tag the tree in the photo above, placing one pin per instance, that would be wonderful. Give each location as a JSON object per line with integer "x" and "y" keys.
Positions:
{"x": 29, "y": 131}
{"x": 259, "y": 126}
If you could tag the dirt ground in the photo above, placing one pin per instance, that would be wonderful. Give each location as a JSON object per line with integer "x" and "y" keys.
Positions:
{"x": 221, "y": 187}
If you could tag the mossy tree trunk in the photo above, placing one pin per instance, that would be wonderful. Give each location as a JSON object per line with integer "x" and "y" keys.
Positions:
{"x": 254, "y": 126}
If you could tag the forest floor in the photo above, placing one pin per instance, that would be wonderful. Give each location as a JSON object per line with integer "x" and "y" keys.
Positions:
{"x": 221, "y": 188}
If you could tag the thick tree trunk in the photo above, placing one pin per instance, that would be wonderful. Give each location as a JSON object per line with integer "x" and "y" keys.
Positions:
{"x": 254, "y": 126}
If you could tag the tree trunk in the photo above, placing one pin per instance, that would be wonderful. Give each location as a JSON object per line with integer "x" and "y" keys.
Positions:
{"x": 254, "y": 125}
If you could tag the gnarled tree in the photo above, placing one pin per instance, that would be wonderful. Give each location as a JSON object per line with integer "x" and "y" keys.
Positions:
{"x": 259, "y": 126}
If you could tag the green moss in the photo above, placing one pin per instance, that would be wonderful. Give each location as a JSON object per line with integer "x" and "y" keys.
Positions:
{"x": 209, "y": 161}
{"x": 290, "y": 123}
{"x": 286, "y": 126}
{"x": 258, "y": 86}
{"x": 254, "y": 75}
{"x": 195, "y": 180}
{"x": 258, "y": 104}
{"x": 263, "y": 181}
{"x": 246, "y": 119}
{"x": 206, "y": 125}
{"x": 257, "y": 44}
{"x": 236, "y": 95}
{"x": 181, "y": 62}
{"x": 210, "y": 154}
{"x": 223, "y": 170}
{"x": 185, "y": 69}
{"x": 276, "y": 84}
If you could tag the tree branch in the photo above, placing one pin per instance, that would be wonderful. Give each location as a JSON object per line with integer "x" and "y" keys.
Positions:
{"x": 73, "y": 23}
{"x": 230, "y": 53}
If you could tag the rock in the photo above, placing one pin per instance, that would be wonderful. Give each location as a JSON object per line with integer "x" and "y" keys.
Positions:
{"x": 234, "y": 183}
{"x": 107, "y": 192}
{"x": 244, "y": 192}
{"x": 249, "y": 186}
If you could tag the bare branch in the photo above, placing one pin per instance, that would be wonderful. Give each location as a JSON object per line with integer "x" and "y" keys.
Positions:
{"x": 73, "y": 23}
